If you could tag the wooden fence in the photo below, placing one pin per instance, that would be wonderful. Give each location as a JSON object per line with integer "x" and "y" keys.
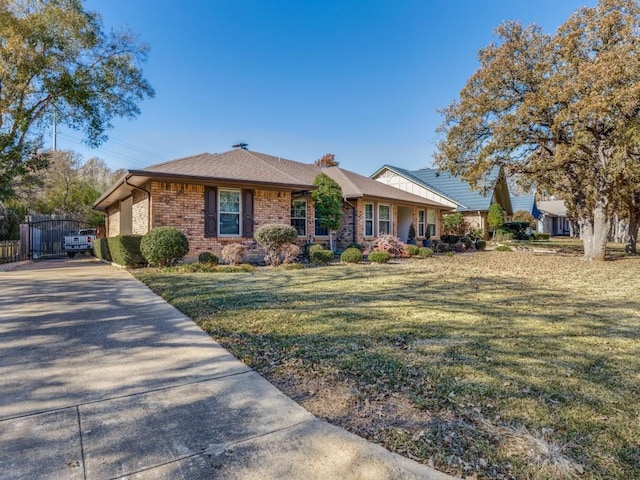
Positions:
{"x": 9, "y": 251}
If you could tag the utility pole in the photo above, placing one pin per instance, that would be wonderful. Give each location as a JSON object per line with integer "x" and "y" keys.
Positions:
{"x": 55, "y": 134}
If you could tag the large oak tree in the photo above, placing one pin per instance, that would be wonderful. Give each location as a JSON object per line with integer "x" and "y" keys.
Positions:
{"x": 561, "y": 111}
{"x": 54, "y": 55}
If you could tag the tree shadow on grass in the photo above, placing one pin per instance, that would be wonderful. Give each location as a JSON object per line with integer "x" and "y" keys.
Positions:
{"x": 471, "y": 348}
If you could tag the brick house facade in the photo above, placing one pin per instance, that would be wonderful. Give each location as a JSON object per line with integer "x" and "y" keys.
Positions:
{"x": 217, "y": 207}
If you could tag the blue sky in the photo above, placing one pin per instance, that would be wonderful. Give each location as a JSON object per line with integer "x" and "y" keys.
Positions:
{"x": 301, "y": 78}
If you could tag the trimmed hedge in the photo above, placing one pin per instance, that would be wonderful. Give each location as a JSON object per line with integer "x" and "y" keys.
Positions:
{"x": 425, "y": 252}
{"x": 451, "y": 239}
{"x": 541, "y": 236}
{"x": 125, "y": 250}
{"x": 379, "y": 257}
{"x": 101, "y": 249}
{"x": 351, "y": 255}
{"x": 503, "y": 248}
{"x": 321, "y": 257}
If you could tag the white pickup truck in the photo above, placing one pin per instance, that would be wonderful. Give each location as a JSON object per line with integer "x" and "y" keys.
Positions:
{"x": 80, "y": 242}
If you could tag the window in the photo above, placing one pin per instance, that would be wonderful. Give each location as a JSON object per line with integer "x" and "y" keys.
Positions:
{"x": 299, "y": 217}
{"x": 421, "y": 223}
{"x": 229, "y": 210}
{"x": 431, "y": 222}
{"x": 368, "y": 219}
{"x": 320, "y": 231}
{"x": 384, "y": 219}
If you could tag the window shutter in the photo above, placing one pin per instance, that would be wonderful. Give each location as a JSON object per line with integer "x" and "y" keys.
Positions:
{"x": 247, "y": 213}
{"x": 210, "y": 212}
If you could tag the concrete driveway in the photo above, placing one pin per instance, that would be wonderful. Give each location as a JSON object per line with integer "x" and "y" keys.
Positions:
{"x": 102, "y": 379}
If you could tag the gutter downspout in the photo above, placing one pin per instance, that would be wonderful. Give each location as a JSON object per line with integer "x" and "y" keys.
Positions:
{"x": 148, "y": 201}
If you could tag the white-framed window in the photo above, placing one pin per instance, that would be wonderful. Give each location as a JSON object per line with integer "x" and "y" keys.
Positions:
{"x": 368, "y": 220}
{"x": 421, "y": 223}
{"x": 431, "y": 222}
{"x": 319, "y": 230}
{"x": 299, "y": 217}
{"x": 229, "y": 213}
{"x": 384, "y": 219}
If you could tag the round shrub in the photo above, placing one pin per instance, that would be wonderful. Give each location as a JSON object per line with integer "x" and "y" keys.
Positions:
{"x": 413, "y": 250}
{"x": 379, "y": 257}
{"x": 425, "y": 252}
{"x": 503, "y": 248}
{"x": 480, "y": 244}
{"x": 208, "y": 257}
{"x": 314, "y": 248}
{"x": 351, "y": 255}
{"x": 321, "y": 257}
{"x": 164, "y": 246}
{"x": 274, "y": 236}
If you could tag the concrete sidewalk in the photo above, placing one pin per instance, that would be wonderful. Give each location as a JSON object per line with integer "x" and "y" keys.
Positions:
{"x": 102, "y": 379}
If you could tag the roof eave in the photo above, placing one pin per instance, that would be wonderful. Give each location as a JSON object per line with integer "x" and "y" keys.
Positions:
{"x": 146, "y": 175}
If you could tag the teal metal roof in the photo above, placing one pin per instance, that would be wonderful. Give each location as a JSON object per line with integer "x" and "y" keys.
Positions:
{"x": 452, "y": 187}
{"x": 526, "y": 203}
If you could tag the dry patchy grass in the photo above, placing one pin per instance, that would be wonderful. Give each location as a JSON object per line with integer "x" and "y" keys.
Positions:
{"x": 492, "y": 365}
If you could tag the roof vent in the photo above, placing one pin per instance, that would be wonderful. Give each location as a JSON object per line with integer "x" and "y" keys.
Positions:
{"x": 241, "y": 145}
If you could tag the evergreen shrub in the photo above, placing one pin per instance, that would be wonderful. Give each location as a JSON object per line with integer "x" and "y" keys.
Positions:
{"x": 208, "y": 257}
{"x": 379, "y": 257}
{"x": 321, "y": 257}
{"x": 164, "y": 246}
{"x": 351, "y": 255}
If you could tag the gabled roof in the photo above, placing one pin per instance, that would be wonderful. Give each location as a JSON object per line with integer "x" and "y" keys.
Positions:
{"x": 526, "y": 203}
{"x": 451, "y": 187}
{"x": 239, "y": 165}
{"x": 243, "y": 167}
{"x": 553, "y": 207}
{"x": 357, "y": 186}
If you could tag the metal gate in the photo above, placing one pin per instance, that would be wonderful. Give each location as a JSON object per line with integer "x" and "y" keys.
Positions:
{"x": 46, "y": 237}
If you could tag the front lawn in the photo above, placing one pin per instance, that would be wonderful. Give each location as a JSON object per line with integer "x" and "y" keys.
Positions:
{"x": 495, "y": 364}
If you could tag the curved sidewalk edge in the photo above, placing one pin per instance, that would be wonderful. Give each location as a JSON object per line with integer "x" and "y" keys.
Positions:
{"x": 103, "y": 379}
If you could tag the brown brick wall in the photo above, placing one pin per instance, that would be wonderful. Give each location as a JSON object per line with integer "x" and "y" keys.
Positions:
{"x": 182, "y": 206}
{"x": 140, "y": 213}
{"x": 113, "y": 220}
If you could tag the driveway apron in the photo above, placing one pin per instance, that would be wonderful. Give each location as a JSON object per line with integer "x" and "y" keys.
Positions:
{"x": 101, "y": 379}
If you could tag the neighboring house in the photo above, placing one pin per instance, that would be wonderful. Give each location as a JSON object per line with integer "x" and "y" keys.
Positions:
{"x": 553, "y": 218}
{"x": 217, "y": 199}
{"x": 451, "y": 191}
{"x": 525, "y": 203}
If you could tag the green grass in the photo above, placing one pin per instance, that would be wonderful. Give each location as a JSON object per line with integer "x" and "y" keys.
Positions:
{"x": 501, "y": 366}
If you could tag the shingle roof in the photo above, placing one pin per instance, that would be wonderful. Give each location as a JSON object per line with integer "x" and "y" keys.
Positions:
{"x": 238, "y": 165}
{"x": 356, "y": 186}
{"x": 249, "y": 167}
{"x": 451, "y": 187}
{"x": 554, "y": 207}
